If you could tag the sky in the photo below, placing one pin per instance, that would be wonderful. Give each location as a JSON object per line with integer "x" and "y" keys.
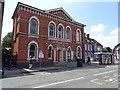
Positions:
{"x": 100, "y": 18}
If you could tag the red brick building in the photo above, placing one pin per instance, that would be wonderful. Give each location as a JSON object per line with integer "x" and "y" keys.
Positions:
{"x": 54, "y": 32}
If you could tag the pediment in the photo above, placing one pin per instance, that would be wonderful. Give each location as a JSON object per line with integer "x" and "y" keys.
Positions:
{"x": 61, "y": 13}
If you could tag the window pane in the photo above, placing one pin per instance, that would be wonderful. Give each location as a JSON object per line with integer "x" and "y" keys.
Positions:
{"x": 77, "y": 36}
{"x": 60, "y": 32}
{"x": 50, "y": 52}
{"x": 33, "y": 26}
{"x": 51, "y": 30}
{"x": 33, "y": 50}
{"x": 69, "y": 53}
{"x": 32, "y": 47}
{"x": 68, "y": 33}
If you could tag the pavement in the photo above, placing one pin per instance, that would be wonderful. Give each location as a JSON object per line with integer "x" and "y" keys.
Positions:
{"x": 17, "y": 71}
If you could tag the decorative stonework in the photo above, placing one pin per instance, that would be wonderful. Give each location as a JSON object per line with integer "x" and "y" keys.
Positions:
{"x": 47, "y": 14}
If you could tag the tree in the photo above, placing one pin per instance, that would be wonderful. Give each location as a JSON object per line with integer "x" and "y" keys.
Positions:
{"x": 109, "y": 49}
{"x": 114, "y": 50}
{"x": 7, "y": 40}
{"x": 105, "y": 49}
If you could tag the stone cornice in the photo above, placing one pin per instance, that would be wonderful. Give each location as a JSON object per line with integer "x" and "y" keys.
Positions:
{"x": 27, "y": 8}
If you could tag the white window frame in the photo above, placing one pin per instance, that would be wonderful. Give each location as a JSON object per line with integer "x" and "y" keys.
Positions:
{"x": 79, "y": 32}
{"x": 54, "y": 29}
{"x": 70, "y": 33}
{"x": 34, "y": 35}
{"x": 62, "y": 31}
{"x": 32, "y": 42}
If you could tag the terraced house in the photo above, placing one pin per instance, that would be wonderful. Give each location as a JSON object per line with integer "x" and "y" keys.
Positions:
{"x": 117, "y": 53}
{"x": 54, "y": 33}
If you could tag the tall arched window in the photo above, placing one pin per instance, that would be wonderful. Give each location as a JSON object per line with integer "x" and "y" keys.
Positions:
{"x": 77, "y": 35}
{"x": 60, "y": 31}
{"x": 51, "y": 30}
{"x": 33, "y": 26}
{"x": 68, "y": 34}
{"x": 50, "y": 48}
{"x": 33, "y": 50}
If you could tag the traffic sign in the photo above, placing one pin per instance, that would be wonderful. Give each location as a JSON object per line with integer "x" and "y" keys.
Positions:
{"x": 41, "y": 55}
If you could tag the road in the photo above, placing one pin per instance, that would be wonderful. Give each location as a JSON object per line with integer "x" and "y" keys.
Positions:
{"x": 100, "y": 76}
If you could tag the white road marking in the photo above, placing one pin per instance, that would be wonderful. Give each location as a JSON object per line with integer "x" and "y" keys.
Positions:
{"x": 106, "y": 76}
{"x": 110, "y": 79}
{"x": 115, "y": 75}
{"x": 115, "y": 81}
{"x": 103, "y": 73}
{"x": 95, "y": 81}
{"x": 45, "y": 73}
{"x": 58, "y": 82}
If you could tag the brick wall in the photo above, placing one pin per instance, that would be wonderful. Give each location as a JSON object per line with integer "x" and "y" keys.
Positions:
{"x": 22, "y": 39}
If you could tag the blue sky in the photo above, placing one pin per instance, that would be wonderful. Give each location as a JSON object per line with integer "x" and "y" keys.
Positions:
{"x": 100, "y": 18}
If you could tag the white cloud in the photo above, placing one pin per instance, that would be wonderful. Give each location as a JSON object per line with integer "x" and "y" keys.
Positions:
{"x": 109, "y": 40}
{"x": 106, "y": 41}
{"x": 115, "y": 31}
{"x": 98, "y": 28}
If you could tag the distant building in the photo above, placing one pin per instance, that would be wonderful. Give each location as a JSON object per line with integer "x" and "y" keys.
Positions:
{"x": 91, "y": 47}
{"x": 52, "y": 32}
{"x": 117, "y": 52}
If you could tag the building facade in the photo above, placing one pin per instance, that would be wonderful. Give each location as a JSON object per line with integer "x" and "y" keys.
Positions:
{"x": 92, "y": 47}
{"x": 52, "y": 35}
{"x": 117, "y": 53}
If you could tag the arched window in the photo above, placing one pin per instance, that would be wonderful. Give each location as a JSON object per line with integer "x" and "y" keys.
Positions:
{"x": 51, "y": 30}
{"x": 50, "y": 48}
{"x": 33, "y": 26}
{"x": 77, "y": 35}
{"x": 69, "y": 53}
{"x": 33, "y": 50}
{"x": 60, "y": 31}
{"x": 79, "y": 52}
{"x": 68, "y": 36}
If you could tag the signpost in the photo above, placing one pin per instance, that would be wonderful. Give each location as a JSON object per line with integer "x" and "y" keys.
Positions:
{"x": 41, "y": 55}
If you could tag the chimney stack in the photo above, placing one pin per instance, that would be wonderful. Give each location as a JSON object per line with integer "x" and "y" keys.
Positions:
{"x": 88, "y": 36}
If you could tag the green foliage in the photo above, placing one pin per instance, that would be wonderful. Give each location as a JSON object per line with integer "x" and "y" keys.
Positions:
{"x": 114, "y": 50}
{"x": 7, "y": 40}
{"x": 105, "y": 49}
